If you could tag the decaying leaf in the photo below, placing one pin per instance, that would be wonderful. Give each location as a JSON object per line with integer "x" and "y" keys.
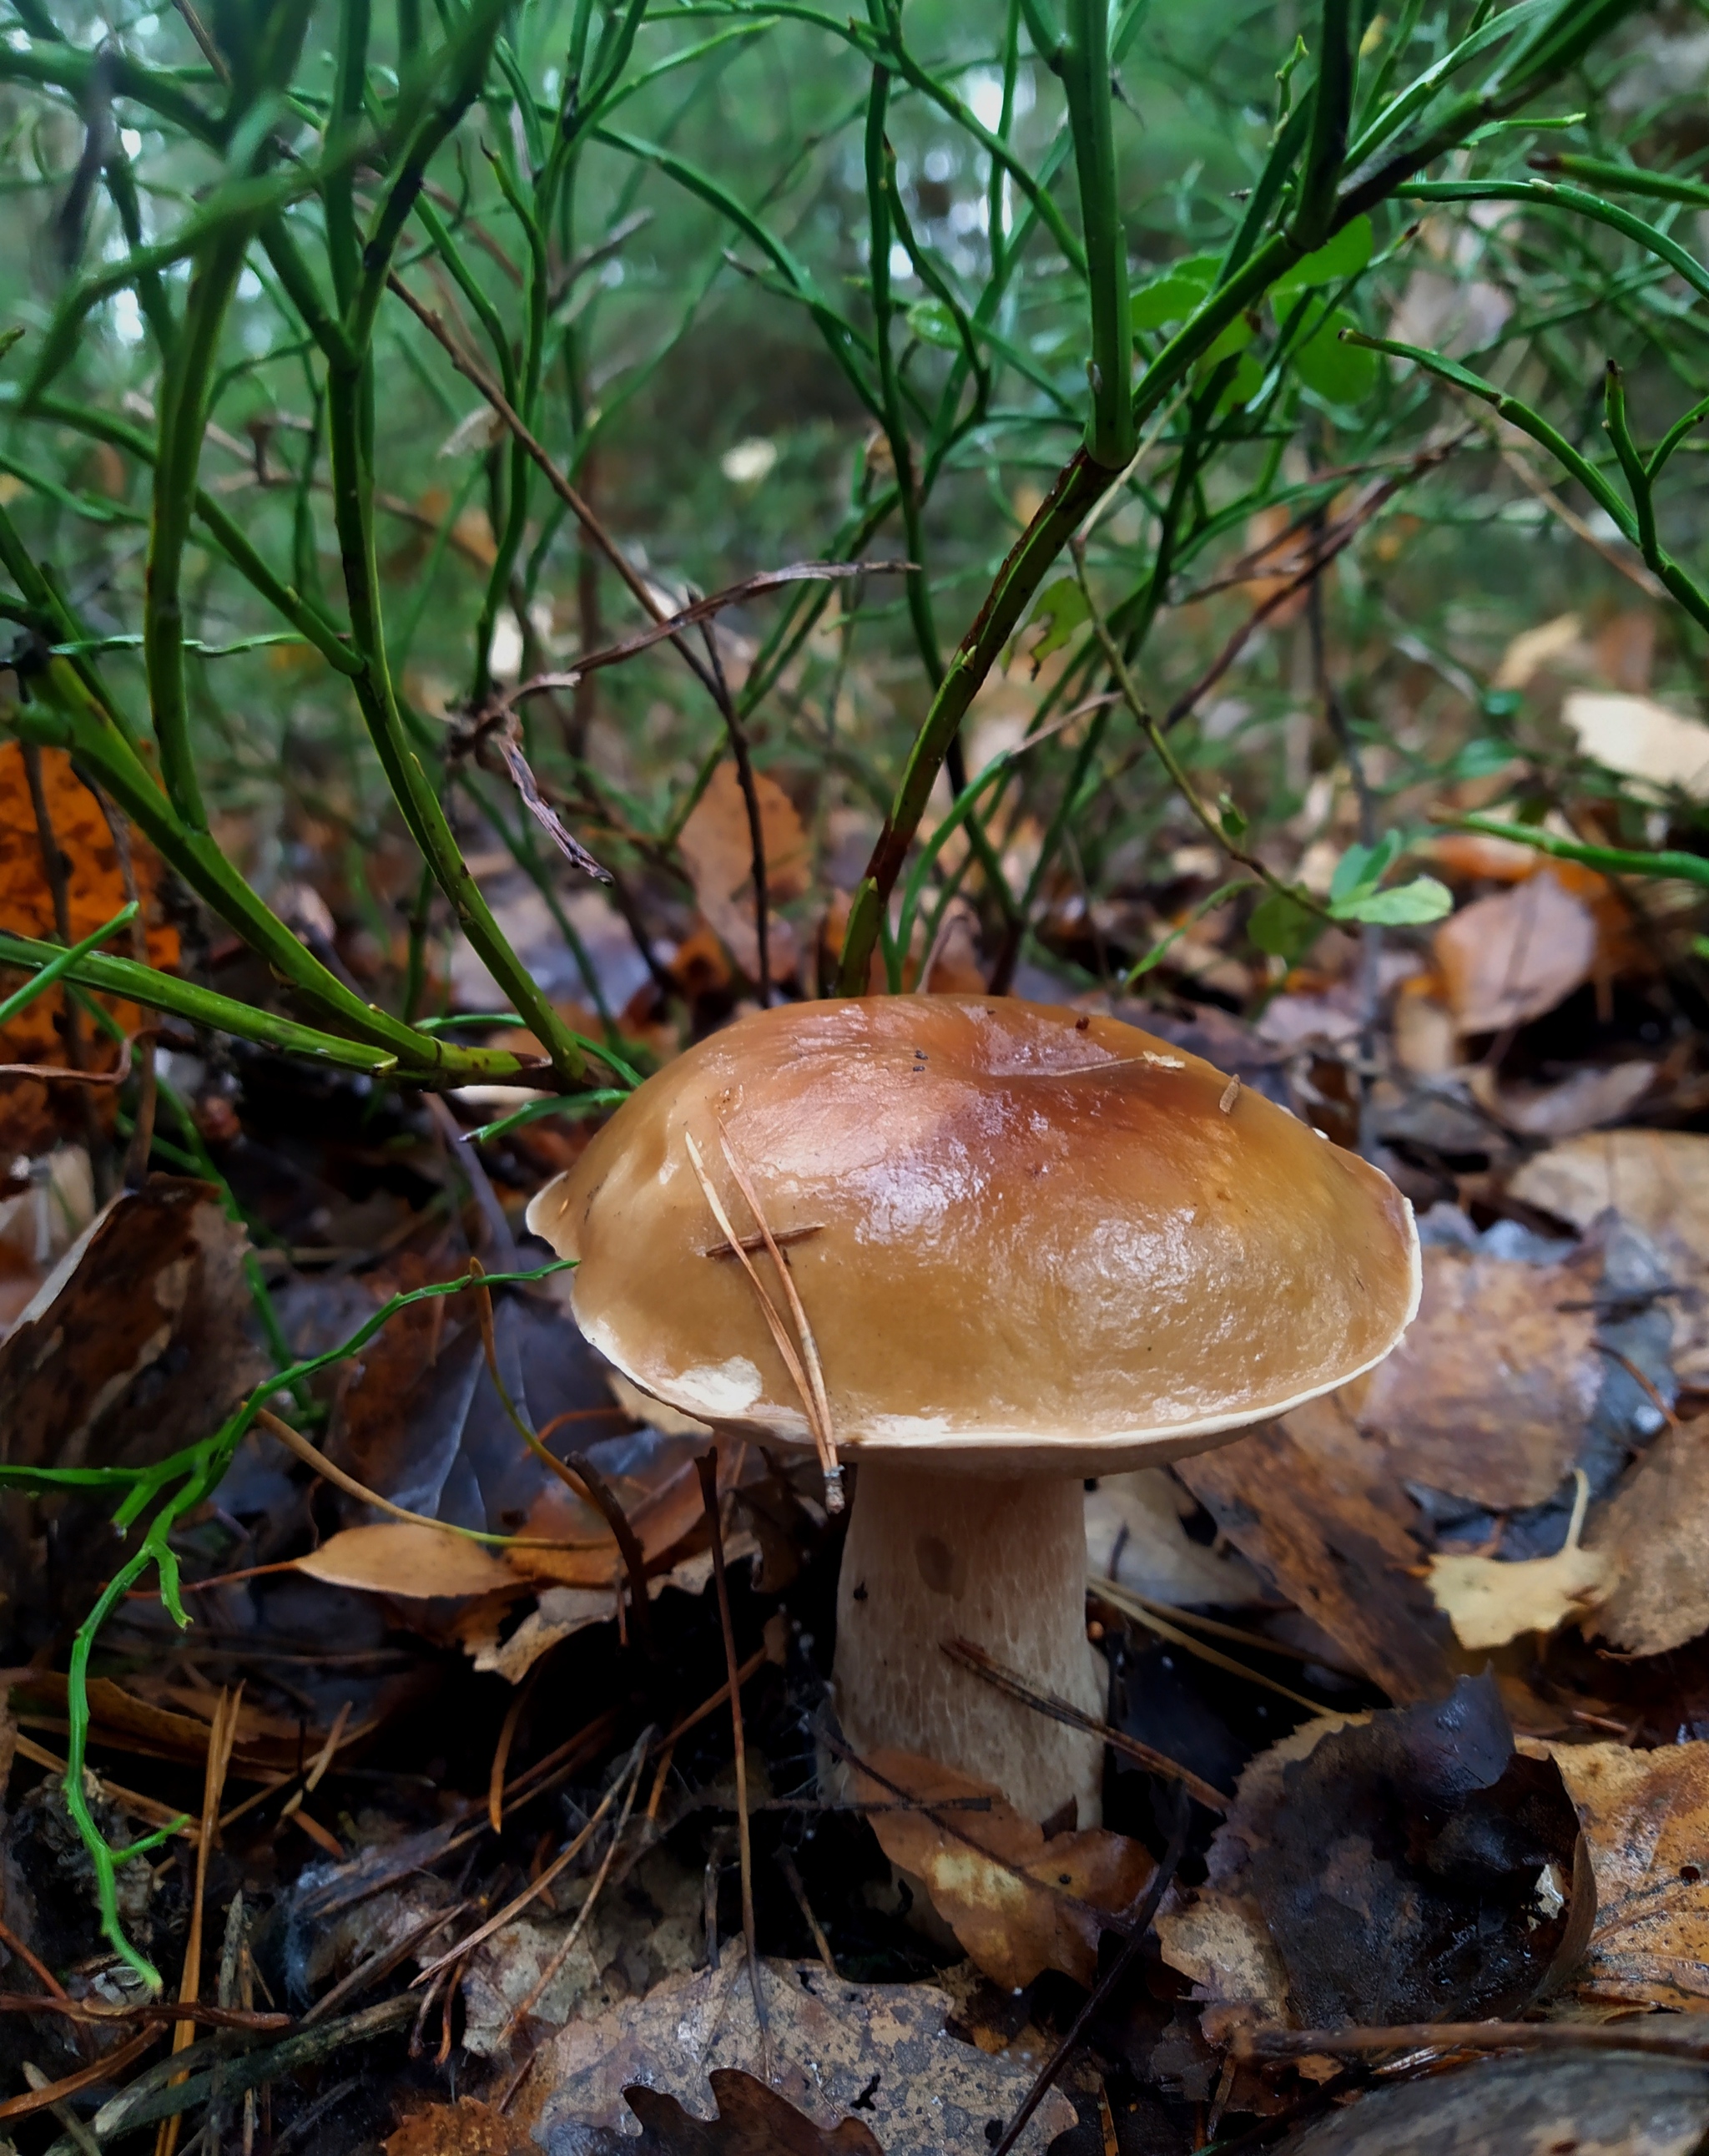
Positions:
{"x": 1596, "y": 2104}
{"x": 1012, "y": 1928}
{"x": 717, "y": 845}
{"x": 1488, "y": 1602}
{"x": 1645, "y": 1817}
{"x": 1135, "y": 1537}
{"x": 395, "y": 1556}
{"x": 1654, "y": 1533}
{"x": 878, "y": 2053}
{"x": 1489, "y": 1393}
{"x": 136, "y": 1344}
{"x": 1639, "y": 738}
{"x": 753, "y": 2120}
{"x": 1394, "y": 1862}
{"x": 1314, "y": 1504}
{"x": 1513, "y": 956}
{"x": 1659, "y": 1179}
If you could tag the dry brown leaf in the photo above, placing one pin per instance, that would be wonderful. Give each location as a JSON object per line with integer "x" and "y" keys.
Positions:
{"x": 414, "y": 1563}
{"x": 1514, "y": 956}
{"x": 1489, "y": 1393}
{"x": 1659, "y": 1181}
{"x": 753, "y": 2120}
{"x": 1585, "y": 1101}
{"x": 1012, "y": 1928}
{"x": 718, "y": 851}
{"x": 1534, "y": 648}
{"x": 1654, "y": 1532}
{"x": 1316, "y": 1505}
{"x": 1645, "y": 1817}
{"x": 919, "y": 2090}
{"x": 1641, "y": 738}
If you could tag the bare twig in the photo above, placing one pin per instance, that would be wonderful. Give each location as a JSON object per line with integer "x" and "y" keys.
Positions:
{"x": 634, "y": 1778}
{"x": 1639, "y": 2034}
{"x": 973, "y": 1658}
{"x": 1139, "y": 1923}
{"x": 707, "y": 1467}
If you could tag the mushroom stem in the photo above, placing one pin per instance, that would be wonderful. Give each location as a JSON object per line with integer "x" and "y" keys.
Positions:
{"x": 1000, "y": 1563}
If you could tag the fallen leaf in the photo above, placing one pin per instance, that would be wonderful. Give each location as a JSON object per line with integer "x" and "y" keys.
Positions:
{"x": 1639, "y": 738}
{"x": 465, "y": 2127}
{"x": 752, "y": 2121}
{"x": 716, "y": 846}
{"x": 395, "y": 1556}
{"x": 1011, "y": 1927}
{"x": 1588, "y": 1098}
{"x": 879, "y": 2050}
{"x": 1515, "y": 955}
{"x": 1488, "y": 1602}
{"x": 1315, "y": 1505}
{"x": 1655, "y": 1534}
{"x": 1393, "y": 1861}
{"x": 40, "y": 1224}
{"x": 1659, "y": 1179}
{"x": 1534, "y": 648}
{"x": 1646, "y": 1818}
{"x": 154, "y": 1287}
{"x": 1489, "y": 1393}
{"x": 1543, "y": 2104}
{"x": 1135, "y": 1535}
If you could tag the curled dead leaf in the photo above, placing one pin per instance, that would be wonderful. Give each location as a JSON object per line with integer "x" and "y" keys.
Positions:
{"x": 1514, "y": 956}
{"x": 414, "y": 1563}
{"x": 717, "y": 845}
{"x": 1012, "y": 1927}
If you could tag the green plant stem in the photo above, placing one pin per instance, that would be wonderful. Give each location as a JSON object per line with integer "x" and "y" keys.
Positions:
{"x": 1078, "y": 485}
{"x": 21, "y": 999}
{"x": 1615, "y": 860}
{"x": 1084, "y": 66}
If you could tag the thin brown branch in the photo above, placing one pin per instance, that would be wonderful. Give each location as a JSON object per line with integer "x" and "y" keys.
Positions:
{"x": 707, "y": 1467}
{"x": 1267, "y": 2040}
{"x": 968, "y": 1656}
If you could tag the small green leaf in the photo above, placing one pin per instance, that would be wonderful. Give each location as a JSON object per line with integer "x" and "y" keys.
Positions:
{"x": 1063, "y": 605}
{"x": 1363, "y": 868}
{"x": 1343, "y": 256}
{"x": 1174, "y": 295}
{"x": 1284, "y": 928}
{"x": 1339, "y": 374}
{"x": 1407, "y": 906}
{"x": 1482, "y": 758}
{"x": 1244, "y": 383}
{"x": 1229, "y": 817}
{"x": 933, "y": 323}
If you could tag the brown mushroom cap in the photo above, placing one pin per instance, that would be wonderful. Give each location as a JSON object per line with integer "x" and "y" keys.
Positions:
{"x": 1026, "y": 1239}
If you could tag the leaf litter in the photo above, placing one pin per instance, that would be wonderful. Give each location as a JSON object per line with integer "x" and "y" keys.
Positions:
{"x": 477, "y": 1837}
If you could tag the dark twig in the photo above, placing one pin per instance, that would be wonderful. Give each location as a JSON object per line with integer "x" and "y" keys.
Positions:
{"x": 968, "y": 1656}
{"x": 1140, "y": 1922}
{"x": 1333, "y": 539}
{"x": 707, "y": 1467}
{"x": 691, "y": 616}
{"x": 1266, "y": 2042}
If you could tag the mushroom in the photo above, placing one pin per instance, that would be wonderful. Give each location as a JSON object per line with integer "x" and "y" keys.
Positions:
{"x": 1023, "y": 1245}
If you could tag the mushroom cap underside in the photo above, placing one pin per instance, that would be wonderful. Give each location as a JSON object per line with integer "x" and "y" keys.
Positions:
{"x": 1023, "y": 1237}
